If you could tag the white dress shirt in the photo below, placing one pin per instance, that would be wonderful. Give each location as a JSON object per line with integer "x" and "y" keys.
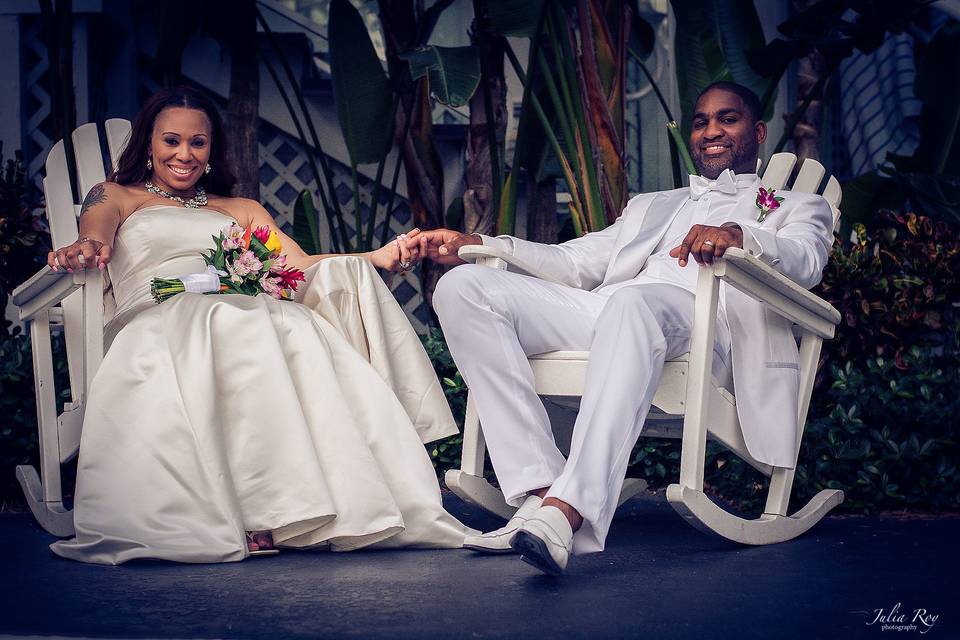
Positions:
{"x": 712, "y": 208}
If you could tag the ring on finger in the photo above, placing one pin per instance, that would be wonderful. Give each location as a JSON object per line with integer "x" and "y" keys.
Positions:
{"x": 708, "y": 243}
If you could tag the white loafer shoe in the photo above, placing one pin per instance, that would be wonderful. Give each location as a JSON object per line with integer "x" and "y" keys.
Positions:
{"x": 545, "y": 540}
{"x": 498, "y": 541}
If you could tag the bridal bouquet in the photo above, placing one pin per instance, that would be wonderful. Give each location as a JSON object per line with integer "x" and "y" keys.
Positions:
{"x": 243, "y": 260}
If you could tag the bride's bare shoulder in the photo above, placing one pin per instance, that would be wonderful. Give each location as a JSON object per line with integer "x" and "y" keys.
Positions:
{"x": 108, "y": 196}
{"x": 130, "y": 197}
{"x": 243, "y": 210}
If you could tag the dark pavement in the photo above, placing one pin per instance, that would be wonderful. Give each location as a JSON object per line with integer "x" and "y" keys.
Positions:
{"x": 659, "y": 578}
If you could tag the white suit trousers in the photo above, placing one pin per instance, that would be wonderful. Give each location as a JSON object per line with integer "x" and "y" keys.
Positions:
{"x": 493, "y": 319}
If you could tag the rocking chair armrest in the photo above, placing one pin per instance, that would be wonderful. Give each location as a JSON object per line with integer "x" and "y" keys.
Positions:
{"x": 499, "y": 259}
{"x": 760, "y": 281}
{"x": 47, "y": 288}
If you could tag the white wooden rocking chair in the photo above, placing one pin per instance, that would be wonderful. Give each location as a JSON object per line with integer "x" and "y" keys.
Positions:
{"x": 687, "y": 393}
{"x": 76, "y": 302}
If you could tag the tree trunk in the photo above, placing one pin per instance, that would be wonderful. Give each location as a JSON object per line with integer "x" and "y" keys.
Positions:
{"x": 810, "y": 69}
{"x": 421, "y": 162}
{"x": 58, "y": 25}
{"x": 542, "y": 211}
{"x": 243, "y": 152}
{"x": 484, "y": 171}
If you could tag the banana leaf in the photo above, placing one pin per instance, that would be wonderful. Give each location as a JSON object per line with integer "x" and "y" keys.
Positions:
{"x": 699, "y": 55}
{"x": 361, "y": 88}
{"x": 453, "y": 72}
{"x": 516, "y": 18}
{"x": 740, "y": 31}
{"x": 305, "y": 223}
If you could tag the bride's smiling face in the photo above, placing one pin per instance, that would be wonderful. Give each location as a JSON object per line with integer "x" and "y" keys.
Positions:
{"x": 179, "y": 148}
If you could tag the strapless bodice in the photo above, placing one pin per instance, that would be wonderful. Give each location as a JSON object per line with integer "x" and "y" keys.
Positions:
{"x": 159, "y": 242}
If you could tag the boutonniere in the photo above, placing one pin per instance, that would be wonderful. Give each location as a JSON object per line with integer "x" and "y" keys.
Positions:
{"x": 767, "y": 202}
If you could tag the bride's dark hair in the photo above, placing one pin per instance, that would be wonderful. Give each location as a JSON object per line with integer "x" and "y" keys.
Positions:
{"x": 132, "y": 166}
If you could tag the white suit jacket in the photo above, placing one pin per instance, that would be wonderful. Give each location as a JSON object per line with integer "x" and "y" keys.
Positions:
{"x": 795, "y": 239}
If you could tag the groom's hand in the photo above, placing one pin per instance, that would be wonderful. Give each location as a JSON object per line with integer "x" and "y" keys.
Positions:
{"x": 441, "y": 245}
{"x": 707, "y": 243}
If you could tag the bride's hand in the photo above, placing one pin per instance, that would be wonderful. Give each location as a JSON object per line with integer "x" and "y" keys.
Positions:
{"x": 85, "y": 252}
{"x": 401, "y": 254}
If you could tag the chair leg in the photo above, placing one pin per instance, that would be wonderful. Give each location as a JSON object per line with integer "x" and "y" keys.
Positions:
{"x": 699, "y": 385}
{"x": 468, "y": 481}
{"x": 631, "y": 487}
{"x": 701, "y": 512}
{"x": 774, "y": 525}
{"x": 43, "y": 491}
{"x": 781, "y": 481}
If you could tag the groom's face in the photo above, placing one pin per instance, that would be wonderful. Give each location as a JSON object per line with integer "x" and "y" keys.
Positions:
{"x": 724, "y": 135}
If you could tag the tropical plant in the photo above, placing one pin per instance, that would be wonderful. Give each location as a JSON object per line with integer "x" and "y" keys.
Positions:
{"x": 572, "y": 118}
{"x": 573, "y": 103}
{"x": 370, "y": 103}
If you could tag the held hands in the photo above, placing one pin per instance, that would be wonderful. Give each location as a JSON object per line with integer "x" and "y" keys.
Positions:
{"x": 442, "y": 245}
{"x": 707, "y": 243}
{"x": 85, "y": 252}
{"x": 399, "y": 255}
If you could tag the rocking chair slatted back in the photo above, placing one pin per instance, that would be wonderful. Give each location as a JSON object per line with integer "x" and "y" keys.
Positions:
{"x": 62, "y": 214}
{"x": 89, "y": 161}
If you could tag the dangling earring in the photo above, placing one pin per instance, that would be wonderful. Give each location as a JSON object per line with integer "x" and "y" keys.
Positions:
{"x": 149, "y": 164}
{"x": 207, "y": 169}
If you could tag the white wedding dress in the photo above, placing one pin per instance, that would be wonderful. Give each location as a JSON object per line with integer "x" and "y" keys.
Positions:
{"x": 212, "y": 415}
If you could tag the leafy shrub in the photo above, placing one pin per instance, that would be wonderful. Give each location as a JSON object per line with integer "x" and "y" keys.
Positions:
{"x": 446, "y": 453}
{"x": 24, "y": 241}
{"x": 18, "y": 424}
{"x": 18, "y": 414}
{"x": 884, "y": 423}
{"x": 24, "y": 237}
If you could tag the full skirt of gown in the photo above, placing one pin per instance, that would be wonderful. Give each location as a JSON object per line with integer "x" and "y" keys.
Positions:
{"x": 212, "y": 415}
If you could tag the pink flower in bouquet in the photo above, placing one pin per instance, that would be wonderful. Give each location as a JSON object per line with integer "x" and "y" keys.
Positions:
{"x": 232, "y": 237}
{"x": 278, "y": 264}
{"x": 247, "y": 263}
{"x": 268, "y": 238}
{"x": 233, "y": 275}
{"x": 290, "y": 277}
{"x": 271, "y": 286}
{"x": 262, "y": 233}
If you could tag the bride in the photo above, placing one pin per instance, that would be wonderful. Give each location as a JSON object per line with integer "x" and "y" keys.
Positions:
{"x": 223, "y": 425}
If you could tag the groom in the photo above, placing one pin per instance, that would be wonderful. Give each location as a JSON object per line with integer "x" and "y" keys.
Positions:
{"x": 627, "y": 297}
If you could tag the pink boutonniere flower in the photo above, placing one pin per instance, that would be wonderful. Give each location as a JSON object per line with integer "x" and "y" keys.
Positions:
{"x": 767, "y": 202}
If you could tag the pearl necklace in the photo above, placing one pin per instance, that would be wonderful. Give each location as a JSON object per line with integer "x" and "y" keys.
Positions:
{"x": 198, "y": 200}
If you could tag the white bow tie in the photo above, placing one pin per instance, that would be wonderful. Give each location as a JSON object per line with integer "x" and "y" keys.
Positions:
{"x": 725, "y": 183}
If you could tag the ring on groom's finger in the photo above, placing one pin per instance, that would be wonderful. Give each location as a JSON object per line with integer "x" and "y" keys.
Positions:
{"x": 708, "y": 243}
{"x": 405, "y": 266}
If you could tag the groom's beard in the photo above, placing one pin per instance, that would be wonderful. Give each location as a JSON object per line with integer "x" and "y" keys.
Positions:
{"x": 742, "y": 158}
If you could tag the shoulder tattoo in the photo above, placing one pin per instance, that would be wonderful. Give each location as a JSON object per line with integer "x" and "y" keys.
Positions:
{"x": 96, "y": 196}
